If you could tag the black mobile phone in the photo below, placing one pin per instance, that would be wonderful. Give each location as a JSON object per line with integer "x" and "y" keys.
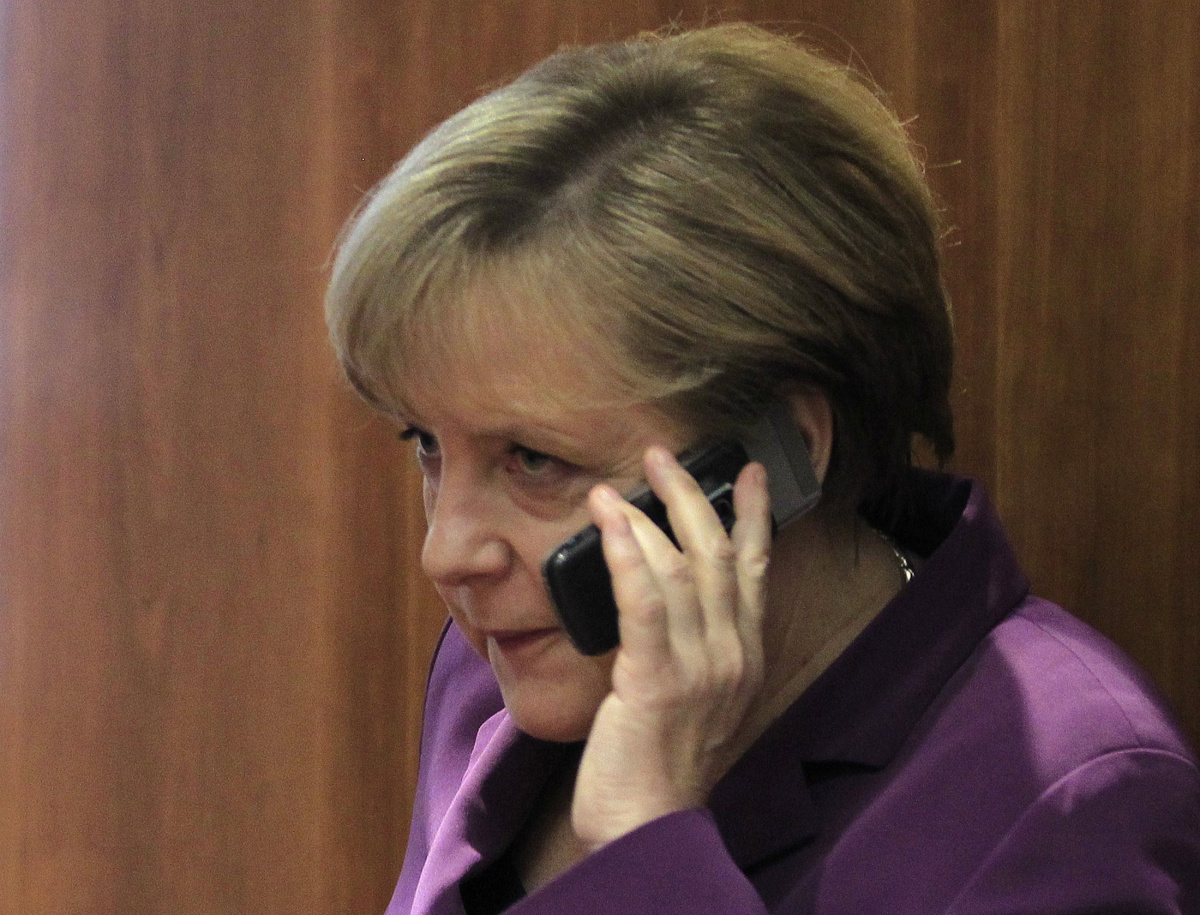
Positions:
{"x": 576, "y": 574}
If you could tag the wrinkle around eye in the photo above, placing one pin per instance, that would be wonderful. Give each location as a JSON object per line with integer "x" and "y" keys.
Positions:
{"x": 553, "y": 489}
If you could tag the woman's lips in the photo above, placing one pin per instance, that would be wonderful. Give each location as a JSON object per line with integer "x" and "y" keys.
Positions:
{"x": 522, "y": 641}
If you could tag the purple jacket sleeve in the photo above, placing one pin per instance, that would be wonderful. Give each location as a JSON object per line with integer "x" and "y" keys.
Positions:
{"x": 675, "y": 864}
{"x": 1120, "y": 833}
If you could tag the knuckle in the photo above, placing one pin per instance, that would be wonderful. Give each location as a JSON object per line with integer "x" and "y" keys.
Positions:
{"x": 700, "y": 679}
{"x": 731, "y": 667}
{"x": 753, "y": 671}
{"x": 754, "y": 565}
{"x": 677, "y": 571}
{"x": 648, "y": 609}
{"x": 717, "y": 550}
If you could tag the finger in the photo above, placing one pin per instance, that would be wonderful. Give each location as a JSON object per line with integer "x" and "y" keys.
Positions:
{"x": 751, "y": 538}
{"x": 641, "y": 606}
{"x": 710, "y": 553}
{"x": 673, "y": 574}
{"x": 751, "y": 534}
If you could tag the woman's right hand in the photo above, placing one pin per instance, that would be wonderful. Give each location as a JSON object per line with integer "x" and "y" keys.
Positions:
{"x": 690, "y": 663}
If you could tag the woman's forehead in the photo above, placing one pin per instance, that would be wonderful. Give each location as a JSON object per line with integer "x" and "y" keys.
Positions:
{"x": 571, "y": 416}
{"x": 508, "y": 341}
{"x": 506, "y": 376}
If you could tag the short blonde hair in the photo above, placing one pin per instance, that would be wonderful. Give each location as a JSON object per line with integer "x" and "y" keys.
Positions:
{"x": 724, "y": 211}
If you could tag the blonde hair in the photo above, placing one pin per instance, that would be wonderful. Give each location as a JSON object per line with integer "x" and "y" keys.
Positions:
{"x": 723, "y": 211}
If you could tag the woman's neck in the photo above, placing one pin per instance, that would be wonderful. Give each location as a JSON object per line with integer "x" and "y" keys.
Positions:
{"x": 547, "y": 845}
{"x": 826, "y": 585}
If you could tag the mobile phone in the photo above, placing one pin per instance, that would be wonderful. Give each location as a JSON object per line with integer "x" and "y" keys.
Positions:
{"x": 576, "y": 574}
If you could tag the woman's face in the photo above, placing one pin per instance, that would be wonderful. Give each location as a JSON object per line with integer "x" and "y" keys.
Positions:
{"x": 508, "y": 462}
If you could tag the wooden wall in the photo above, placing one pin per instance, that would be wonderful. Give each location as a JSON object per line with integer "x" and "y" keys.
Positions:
{"x": 213, "y": 632}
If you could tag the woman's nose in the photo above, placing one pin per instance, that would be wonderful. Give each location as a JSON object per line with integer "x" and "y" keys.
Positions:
{"x": 464, "y": 538}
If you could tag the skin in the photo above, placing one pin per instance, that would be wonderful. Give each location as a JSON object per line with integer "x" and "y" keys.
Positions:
{"x": 715, "y": 640}
{"x": 691, "y": 658}
{"x": 503, "y": 486}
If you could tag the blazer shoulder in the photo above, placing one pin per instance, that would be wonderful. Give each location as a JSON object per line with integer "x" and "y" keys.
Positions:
{"x": 1073, "y": 680}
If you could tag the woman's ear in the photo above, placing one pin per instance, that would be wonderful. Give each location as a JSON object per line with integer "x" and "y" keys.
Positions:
{"x": 813, "y": 415}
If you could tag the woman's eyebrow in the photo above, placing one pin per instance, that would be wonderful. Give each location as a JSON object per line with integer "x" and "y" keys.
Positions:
{"x": 547, "y": 437}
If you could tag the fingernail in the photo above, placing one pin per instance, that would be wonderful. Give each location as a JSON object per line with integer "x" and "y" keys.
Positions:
{"x": 659, "y": 457}
{"x": 606, "y": 503}
{"x": 606, "y": 494}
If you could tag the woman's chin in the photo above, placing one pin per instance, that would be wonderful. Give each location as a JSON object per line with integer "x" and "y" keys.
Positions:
{"x": 555, "y": 732}
{"x": 553, "y": 696}
{"x": 561, "y": 716}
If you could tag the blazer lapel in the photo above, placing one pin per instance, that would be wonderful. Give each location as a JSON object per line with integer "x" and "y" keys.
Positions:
{"x": 507, "y": 771}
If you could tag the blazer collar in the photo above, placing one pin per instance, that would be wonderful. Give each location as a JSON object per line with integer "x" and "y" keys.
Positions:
{"x": 506, "y": 772}
{"x": 863, "y": 707}
{"x": 858, "y": 712}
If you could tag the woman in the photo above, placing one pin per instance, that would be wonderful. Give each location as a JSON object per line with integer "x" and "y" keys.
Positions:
{"x": 635, "y": 248}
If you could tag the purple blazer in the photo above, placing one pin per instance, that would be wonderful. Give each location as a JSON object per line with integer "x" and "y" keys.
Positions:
{"x": 974, "y": 750}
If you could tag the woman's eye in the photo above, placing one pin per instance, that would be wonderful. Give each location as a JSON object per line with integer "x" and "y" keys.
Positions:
{"x": 535, "y": 463}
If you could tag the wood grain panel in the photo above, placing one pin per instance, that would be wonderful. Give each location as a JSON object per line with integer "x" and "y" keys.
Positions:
{"x": 1096, "y": 414}
{"x": 954, "y": 121}
{"x": 213, "y": 628}
{"x": 179, "y": 543}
